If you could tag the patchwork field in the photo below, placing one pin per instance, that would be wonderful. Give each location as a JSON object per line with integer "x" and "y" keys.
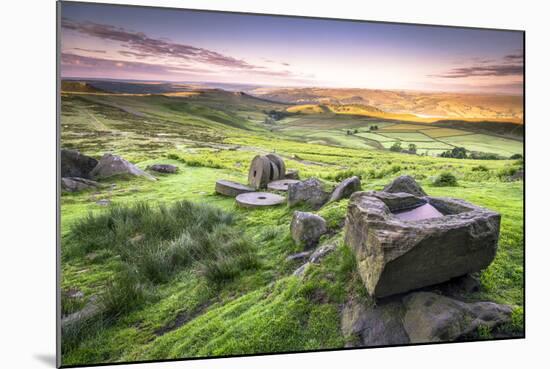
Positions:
{"x": 240, "y": 296}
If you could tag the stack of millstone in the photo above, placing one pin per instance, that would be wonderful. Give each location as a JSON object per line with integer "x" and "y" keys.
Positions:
{"x": 265, "y": 169}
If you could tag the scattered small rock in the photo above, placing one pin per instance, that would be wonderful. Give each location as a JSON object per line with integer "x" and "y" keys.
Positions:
{"x": 346, "y": 188}
{"x": 163, "y": 168}
{"x": 103, "y": 202}
{"x": 321, "y": 252}
{"x": 299, "y": 256}
{"x": 301, "y": 270}
{"x": 307, "y": 228}
{"x": 76, "y": 184}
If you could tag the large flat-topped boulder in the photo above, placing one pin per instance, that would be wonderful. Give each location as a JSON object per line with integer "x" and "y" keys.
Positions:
{"x": 75, "y": 164}
{"x": 405, "y": 184}
{"x": 111, "y": 165}
{"x": 396, "y": 255}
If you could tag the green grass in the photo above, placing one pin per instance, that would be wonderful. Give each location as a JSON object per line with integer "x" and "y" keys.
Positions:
{"x": 170, "y": 289}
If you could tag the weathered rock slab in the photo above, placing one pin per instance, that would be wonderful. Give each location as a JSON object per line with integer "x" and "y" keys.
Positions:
{"x": 346, "y": 188}
{"x": 396, "y": 256}
{"x": 309, "y": 192}
{"x": 230, "y": 188}
{"x": 307, "y": 228}
{"x": 378, "y": 325}
{"x": 434, "y": 318}
{"x": 405, "y": 184}
{"x": 75, "y": 164}
{"x": 417, "y": 317}
{"x": 112, "y": 165}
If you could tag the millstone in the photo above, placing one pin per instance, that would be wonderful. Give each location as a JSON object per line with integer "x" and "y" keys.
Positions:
{"x": 259, "y": 199}
{"x": 230, "y": 188}
{"x": 260, "y": 170}
{"x": 274, "y": 173}
{"x": 278, "y": 161}
{"x": 281, "y": 185}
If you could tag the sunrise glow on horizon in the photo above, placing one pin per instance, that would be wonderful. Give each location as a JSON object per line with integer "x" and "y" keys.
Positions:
{"x": 156, "y": 44}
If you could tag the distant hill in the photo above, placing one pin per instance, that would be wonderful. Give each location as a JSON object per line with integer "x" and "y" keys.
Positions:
{"x": 408, "y": 105}
{"x": 78, "y": 86}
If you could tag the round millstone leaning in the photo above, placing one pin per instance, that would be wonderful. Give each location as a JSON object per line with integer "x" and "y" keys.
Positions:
{"x": 281, "y": 185}
{"x": 230, "y": 188}
{"x": 259, "y": 172}
{"x": 279, "y": 162}
{"x": 274, "y": 174}
{"x": 259, "y": 199}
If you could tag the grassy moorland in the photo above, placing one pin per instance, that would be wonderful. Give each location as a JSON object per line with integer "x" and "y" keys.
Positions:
{"x": 182, "y": 272}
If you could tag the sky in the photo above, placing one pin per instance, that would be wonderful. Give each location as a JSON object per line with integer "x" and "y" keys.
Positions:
{"x": 155, "y": 44}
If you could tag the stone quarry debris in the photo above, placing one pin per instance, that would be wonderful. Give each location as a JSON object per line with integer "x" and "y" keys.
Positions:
{"x": 163, "y": 168}
{"x": 281, "y": 184}
{"x": 346, "y": 188}
{"x": 258, "y": 199}
{"x": 405, "y": 184}
{"x": 75, "y": 164}
{"x": 230, "y": 188}
{"x": 112, "y": 165}
{"x": 310, "y": 192}
{"x": 307, "y": 228}
{"x": 396, "y": 255}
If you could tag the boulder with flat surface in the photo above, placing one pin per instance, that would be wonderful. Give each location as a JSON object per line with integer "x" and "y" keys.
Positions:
{"x": 395, "y": 255}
